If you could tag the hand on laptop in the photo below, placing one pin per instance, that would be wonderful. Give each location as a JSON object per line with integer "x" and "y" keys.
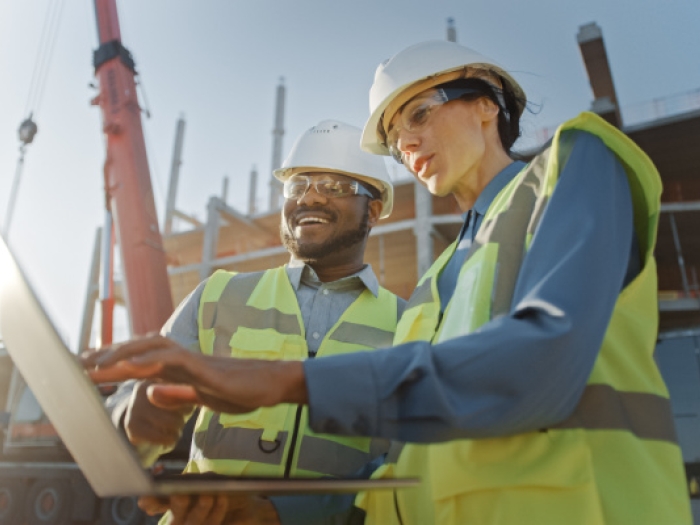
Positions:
{"x": 148, "y": 422}
{"x": 183, "y": 377}
{"x": 213, "y": 510}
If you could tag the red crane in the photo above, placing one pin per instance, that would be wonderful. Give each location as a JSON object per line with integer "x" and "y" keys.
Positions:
{"x": 129, "y": 194}
{"x": 38, "y": 481}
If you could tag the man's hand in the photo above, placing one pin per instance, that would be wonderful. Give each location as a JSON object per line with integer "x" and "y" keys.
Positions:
{"x": 149, "y": 422}
{"x": 223, "y": 384}
{"x": 213, "y": 510}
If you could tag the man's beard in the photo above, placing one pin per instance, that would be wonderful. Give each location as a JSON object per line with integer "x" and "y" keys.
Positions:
{"x": 312, "y": 252}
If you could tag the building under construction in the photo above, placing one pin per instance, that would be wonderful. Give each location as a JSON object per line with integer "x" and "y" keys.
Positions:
{"x": 404, "y": 245}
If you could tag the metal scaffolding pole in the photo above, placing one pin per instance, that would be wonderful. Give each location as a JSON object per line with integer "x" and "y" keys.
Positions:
{"x": 679, "y": 255}
{"x": 224, "y": 189}
{"x": 252, "y": 191}
{"x": 277, "y": 134}
{"x": 423, "y": 228}
{"x": 91, "y": 295}
{"x": 174, "y": 176}
{"x": 211, "y": 239}
{"x": 451, "y": 30}
{"x": 381, "y": 260}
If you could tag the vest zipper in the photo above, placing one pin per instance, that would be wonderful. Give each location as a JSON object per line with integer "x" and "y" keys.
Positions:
{"x": 293, "y": 444}
{"x": 396, "y": 506}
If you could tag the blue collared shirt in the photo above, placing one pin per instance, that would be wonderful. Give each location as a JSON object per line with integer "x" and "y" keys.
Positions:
{"x": 543, "y": 351}
{"x": 472, "y": 221}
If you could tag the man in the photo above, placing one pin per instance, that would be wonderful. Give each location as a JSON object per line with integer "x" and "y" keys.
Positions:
{"x": 523, "y": 377}
{"x": 325, "y": 301}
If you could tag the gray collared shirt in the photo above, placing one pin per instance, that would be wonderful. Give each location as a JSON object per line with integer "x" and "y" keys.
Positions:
{"x": 472, "y": 221}
{"x": 322, "y": 304}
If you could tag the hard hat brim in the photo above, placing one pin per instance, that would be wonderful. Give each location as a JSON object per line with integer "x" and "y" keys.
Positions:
{"x": 371, "y": 140}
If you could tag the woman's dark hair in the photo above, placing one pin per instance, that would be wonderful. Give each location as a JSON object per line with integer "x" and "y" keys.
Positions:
{"x": 506, "y": 100}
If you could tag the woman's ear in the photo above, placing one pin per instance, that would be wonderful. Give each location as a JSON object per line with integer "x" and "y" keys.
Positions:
{"x": 489, "y": 109}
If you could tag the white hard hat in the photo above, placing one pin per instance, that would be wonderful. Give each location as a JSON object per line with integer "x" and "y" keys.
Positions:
{"x": 424, "y": 65}
{"x": 334, "y": 146}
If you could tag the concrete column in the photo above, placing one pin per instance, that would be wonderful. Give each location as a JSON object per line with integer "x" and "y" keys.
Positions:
{"x": 211, "y": 238}
{"x": 174, "y": 176}
{"x": 423, "y": 227}
{"x": 595, "y": 58}
{"x": 252, "y": 191}
{"x": 277, "y": 135}
{"x": 451, "y": 30}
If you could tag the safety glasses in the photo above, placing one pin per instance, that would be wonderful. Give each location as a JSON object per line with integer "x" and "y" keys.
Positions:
{"x": 297, "y": 186}
{"x": 415, "y": 114}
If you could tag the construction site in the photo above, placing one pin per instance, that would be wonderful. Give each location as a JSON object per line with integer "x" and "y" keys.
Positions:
{"x": 421, "y": 226}
{"x": 400, "y": 249}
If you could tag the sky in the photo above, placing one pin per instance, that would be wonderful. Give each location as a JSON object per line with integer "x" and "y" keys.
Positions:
{"x": 218, "y": 63}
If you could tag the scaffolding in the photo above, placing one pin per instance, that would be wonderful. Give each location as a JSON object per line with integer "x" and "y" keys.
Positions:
{"x": 400, "y": 248}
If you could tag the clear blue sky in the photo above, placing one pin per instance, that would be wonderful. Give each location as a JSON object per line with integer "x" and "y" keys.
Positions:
{"x": 218, "y": 62}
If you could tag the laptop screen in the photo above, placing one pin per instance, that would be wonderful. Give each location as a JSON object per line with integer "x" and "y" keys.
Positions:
{"x": 63, "y": 390}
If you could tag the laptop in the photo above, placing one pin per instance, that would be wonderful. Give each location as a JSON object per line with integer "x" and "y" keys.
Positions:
{"x": 75, "y": 408}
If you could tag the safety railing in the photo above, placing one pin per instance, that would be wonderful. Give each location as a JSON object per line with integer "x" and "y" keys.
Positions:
{"x": 688, "y": 296}
{"x": 633, "y": 115}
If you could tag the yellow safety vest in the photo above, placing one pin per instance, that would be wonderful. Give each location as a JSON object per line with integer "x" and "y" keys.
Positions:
{"x": 615, "y": 460}
{"x": 256, "y": 315}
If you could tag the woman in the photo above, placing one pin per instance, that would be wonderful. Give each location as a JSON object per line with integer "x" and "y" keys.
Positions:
{"x": 540, "y": 319}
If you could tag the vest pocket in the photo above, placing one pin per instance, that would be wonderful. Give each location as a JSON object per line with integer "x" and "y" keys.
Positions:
{"x": 417, "y": 324}
{"x": 537, "y": 460}
{"x": 543, "y": 478}
{"x": 237, "y": 444}
{"x": 251, "y": 343}
{"x": 271, "y": 419}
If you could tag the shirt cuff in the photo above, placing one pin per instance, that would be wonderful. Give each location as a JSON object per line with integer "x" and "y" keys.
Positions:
{"x": 342, "y": 394}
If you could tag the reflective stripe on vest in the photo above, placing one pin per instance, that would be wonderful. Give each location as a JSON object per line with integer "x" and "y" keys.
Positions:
{"x": 256, "y": 315}
{"x": 421, "y": 295}
{"x": 614, "y": 460}
{"x": 358, "y": 334}
{"x": 238, "y": 443}
{"x": 603, "y": 408}
{"x": 316, "y": 454}
{"x": 230, "y": 311}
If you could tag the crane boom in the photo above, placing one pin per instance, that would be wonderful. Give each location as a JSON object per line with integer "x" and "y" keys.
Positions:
{"x": 129, "y": 193}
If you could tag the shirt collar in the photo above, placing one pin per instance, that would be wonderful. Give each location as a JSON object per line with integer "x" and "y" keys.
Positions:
{"x": 294, "y": 271}
{"x": 494, "y": 187}
{"x": 299, "y": 271}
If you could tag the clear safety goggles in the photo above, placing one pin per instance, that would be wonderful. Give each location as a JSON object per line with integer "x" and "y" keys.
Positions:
{"x": 297, "y": 186}
{"x": 415, "y": 114}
